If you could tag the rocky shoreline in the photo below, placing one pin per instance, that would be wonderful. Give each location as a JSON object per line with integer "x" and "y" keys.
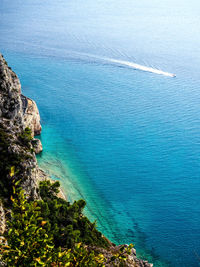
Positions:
{"x": 20, "y": 120}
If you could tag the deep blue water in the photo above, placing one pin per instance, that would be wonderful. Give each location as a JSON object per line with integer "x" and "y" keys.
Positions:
{"x": 125, "y": 140}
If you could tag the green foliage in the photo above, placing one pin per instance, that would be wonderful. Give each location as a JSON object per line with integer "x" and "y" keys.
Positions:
{"x": 79, "y": 256}
{"x": 27, "y": 238}
{"x": 30, "y": 243}
{"x": 67, "y": 223}
{"x": 7, "y": 161}
{"x": 119, "y": 258}
{"x": 49, "y": 191}
{"x": 25, "y": 137}
{"x": 11, "y": 159}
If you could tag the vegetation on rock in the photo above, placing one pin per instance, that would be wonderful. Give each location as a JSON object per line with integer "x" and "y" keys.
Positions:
{"x": 15, "y": 151}
{"x": 66, "y": 220}
{"x": 26, "y": 136}
{"x": 32, "y": 240}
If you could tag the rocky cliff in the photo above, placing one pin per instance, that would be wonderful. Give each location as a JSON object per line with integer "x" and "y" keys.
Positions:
{"x": 31, "y": 115}
{"x": 18, "y": 114}
{"x": 19, "y": 123}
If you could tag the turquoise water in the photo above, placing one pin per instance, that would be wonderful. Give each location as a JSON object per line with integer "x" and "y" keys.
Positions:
{"x": 127, "y": 141}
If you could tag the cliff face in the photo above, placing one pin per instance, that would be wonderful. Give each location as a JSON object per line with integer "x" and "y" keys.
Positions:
{"x": 16, "y": 148}
{"x": 31, "y": 115}
{"x": 14, "y": 106}
{"x": 10, "y": 92}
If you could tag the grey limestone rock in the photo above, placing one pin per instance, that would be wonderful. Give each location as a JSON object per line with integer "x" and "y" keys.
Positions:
{"x": 10, "y": 91}
{"x": 37, "y": 145}
{"x": 14, "y": 119}
{"x": 32, "y": 117}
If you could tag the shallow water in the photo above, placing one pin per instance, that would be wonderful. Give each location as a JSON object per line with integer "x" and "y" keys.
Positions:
{"x": 125, "y": 140}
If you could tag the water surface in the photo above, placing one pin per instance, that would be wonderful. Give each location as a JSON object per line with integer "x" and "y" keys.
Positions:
{"x": 127, "y": 141}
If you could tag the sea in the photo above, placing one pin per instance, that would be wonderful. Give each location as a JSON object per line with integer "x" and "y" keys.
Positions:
{"x": 124, "y": 139}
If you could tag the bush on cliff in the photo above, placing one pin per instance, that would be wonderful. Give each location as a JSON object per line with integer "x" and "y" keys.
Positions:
{"x": 25, "y": 137}
{"x": 14, "y": 151}
{"x": 29, "y": 240}
{"x": 30, "y": 243}
{"x": 8, "y": 159}
{"x": 67, "y": 222}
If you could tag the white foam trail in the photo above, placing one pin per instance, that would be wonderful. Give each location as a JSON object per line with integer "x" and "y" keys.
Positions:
{"x": 139, "y": 67}
{"x": 131, "y": 65}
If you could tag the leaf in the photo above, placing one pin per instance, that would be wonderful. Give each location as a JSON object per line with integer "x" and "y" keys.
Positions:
{"x": 12, "y": 171}
{"x": 16, "y": 183}
{"x": 10, "y": 231}
{"x": 39, "y": 261}
{"x": 22, "y": 243}
{"x": 78, "y": 245}
{"x": 50, "y": 246}
{"x": 43, "y": 223}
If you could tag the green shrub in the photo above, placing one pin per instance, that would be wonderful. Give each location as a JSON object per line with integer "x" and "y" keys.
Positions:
{"x": 29, "y": 241}
{"x": 25, "y": 137}
{"x": 27, "y": 238}
{"x": 67, "y": 222}
{"x": 12, "y": 157}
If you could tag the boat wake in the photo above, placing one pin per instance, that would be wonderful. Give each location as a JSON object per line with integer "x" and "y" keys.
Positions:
{"x": 140, "y": 67}
{"x": 130, "y": 64}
